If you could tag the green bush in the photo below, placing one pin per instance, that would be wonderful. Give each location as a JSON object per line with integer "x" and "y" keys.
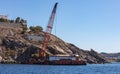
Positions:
{"x": 3, "y": 20}
{"x": 17, "y": 20}
{"x": 36, "y": 29}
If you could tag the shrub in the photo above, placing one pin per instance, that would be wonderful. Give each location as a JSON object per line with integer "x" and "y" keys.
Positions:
{"x": 36, "y": 29}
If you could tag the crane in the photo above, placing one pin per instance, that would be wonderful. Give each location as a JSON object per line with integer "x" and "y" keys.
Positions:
{"x": 42, "y": 54}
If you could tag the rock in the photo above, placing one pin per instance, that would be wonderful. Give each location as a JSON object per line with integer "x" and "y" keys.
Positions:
{"x": 113, "y": 57}
{"x": 90, "y": 56}
{"x": 12, "y": 44}
{"x": 16, "y": 47}
{"x": 1, "y": 58}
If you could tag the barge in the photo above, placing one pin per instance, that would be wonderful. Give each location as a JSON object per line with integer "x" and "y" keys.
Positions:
{"x": 57, "y": 60}
{"x": 43, "y": 58}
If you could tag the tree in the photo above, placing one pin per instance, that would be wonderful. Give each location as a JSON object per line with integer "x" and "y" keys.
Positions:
{"x": 3, "y": 20}
{"x": 11, "y": 21}
{"x": 17, "y": 20}
{"x": 25, "y": 28}
{"x": 21, "y": 20}
{"x": 39, "y": 28}
{"x": 31, "y": 28}
{"x": 36, "y": 29}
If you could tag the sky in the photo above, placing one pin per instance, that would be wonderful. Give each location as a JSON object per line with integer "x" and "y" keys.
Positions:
{"x": 85, "y": 23}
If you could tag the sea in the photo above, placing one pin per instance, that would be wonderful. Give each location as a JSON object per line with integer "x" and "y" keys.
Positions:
{"x": 110, "y": 68}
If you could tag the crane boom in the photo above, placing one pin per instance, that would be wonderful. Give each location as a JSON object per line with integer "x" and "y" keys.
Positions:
{"x": 51, "y": 19}
{"x": 42, "y": 53}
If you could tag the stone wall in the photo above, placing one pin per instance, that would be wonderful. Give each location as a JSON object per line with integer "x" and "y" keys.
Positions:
{"x": 6, "y": 24}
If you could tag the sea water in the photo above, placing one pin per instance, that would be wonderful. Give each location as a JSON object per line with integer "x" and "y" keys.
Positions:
{"x": 113, "y": 68}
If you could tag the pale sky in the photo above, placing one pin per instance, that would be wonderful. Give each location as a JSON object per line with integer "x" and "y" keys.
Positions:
{"x": 86, "y": 23}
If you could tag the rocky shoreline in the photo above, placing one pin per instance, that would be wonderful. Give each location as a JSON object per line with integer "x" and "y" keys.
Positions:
{"x": 18, "y": 46}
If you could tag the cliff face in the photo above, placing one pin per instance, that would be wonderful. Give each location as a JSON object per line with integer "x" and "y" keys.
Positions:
{"x": 113, "y": 57}
{"x": 15, "y": 46}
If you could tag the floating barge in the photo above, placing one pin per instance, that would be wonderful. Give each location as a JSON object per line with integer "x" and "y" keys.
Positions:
{"x": 67, "y": 62}
{"x": 57, "y": 60}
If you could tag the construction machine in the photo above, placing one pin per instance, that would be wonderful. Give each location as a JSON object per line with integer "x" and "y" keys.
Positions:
{"x": 42, "y": 53}
{"x": 44, "y": 59}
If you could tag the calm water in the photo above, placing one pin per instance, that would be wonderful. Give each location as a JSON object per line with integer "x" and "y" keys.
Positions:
{"x": 47, "y": 69}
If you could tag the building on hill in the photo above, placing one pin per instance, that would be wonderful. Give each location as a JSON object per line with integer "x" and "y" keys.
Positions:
{"x": 6, "y": 23}
{"x": 4, "y": 16}
{"x": 14, "y": 25}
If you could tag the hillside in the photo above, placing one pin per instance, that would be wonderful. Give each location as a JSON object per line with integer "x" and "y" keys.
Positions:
{"x": 16, "y": 46}
{"x": 114, "y": 57}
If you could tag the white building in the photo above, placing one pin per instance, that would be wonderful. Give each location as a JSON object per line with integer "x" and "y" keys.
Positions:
{"x": 4, "y": 16}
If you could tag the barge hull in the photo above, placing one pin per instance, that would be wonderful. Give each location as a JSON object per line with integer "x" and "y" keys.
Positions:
{"x": 60, "y": 62}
